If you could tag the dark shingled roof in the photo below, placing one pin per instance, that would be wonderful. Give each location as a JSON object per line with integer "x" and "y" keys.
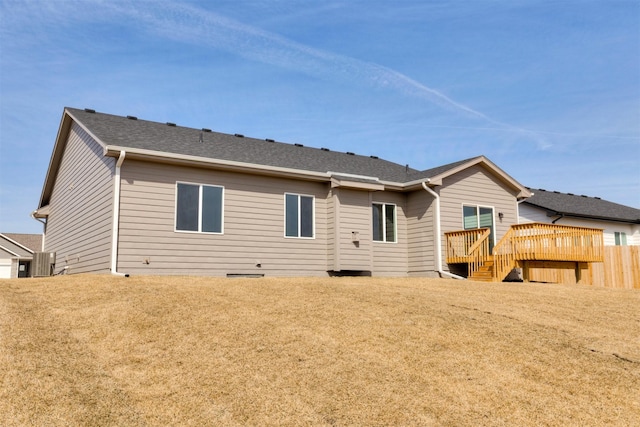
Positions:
{"x": 580, "y": 206}
{"x": 126, "y": 132}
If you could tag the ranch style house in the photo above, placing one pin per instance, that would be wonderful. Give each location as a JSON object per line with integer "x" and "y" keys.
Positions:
{"x": 129, "y": 196}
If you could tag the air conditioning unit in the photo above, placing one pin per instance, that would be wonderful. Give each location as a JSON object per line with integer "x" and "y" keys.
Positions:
{"x": 43, "y": 263}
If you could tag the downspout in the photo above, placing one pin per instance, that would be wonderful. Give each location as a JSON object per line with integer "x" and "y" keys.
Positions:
{"x": 116, "y": 217}
{"x": 44, "y": 228}
{"x": 438, "y": 237}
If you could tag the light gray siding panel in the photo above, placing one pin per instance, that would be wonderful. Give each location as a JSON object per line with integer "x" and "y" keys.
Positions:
{"x": 253, "y": 225}
{"x": 420, "y": 237}
{"x": 390, "y": 259}
{"x": 529, "y": 213}
{"x": 354, "y": 215}
{"x": 81, "y": 205}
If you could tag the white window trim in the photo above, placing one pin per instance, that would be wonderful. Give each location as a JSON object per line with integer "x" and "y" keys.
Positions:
{"x": 493, "y": 217}
{"x": 620, "y": 237}
{"x": 384, "y": 223}
{"x": 199, "y": 231}
{"x": 313, "y": 216}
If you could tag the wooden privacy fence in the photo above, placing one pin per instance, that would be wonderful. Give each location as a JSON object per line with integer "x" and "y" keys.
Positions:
{"x": 620, "y": 269}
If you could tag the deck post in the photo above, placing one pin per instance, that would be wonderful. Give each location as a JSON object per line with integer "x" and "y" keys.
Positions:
{"x": 525, "y": 271}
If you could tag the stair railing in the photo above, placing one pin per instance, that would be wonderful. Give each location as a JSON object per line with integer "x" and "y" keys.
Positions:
{"x": 479, "y": 251}
{"x": 504, "y": 256}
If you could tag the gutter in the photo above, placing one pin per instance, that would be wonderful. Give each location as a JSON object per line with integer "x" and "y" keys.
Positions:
{"x": 438, "y": 239}
{"x": 116, "y": 217}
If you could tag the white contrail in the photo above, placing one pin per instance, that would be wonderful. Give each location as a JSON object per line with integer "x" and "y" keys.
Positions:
{"x": 198, "y": 26}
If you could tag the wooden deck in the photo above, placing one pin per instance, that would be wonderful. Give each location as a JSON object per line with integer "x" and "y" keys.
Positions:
{"x": 522, "y": 243}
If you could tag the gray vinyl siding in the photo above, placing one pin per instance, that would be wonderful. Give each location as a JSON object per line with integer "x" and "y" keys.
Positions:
{"x": 253, "y": 225}
{"x": 476, "y": 186}
{"x": 390, "y": 258}
{"x": 353, "y": 214}
{"x": 420, "y": 234}
{"x": 81, "y": 207}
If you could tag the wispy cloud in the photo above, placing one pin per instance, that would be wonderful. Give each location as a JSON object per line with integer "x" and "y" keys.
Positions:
{"x": 197, "y": 26}
{"x": 200, "y": 27}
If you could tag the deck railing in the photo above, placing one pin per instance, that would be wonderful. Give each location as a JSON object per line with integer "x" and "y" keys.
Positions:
{"x": 468, "y": 246}
{"x": 546, "y": 242}
{"x": 523, "y": 242}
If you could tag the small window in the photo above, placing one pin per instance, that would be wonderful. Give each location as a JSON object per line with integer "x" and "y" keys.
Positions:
{"x": 199, "y": 208}
{"x": 299, "y": 215}
{"x": 384, "y": 222}
{"x": 621, "y": 238}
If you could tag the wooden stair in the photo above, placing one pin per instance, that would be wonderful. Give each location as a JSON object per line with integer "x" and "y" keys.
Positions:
{"x": 484, "y": 273}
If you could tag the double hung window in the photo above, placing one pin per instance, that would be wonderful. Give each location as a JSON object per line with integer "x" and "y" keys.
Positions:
{"x": 384, "y": 222}
{"x": 199, "y": 208}
{"x": 299, "y": 215}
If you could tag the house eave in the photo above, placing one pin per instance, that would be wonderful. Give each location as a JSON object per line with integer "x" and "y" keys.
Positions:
{"x": 345, "y": 183}
{"x": 20, "y": 245}
{"x": 551, "y": 213}
{"x": 205, "y": 162}
{"x": 66, "y": 123}
{"x": 556, "y": 213}
{"x": 522, "y": 191}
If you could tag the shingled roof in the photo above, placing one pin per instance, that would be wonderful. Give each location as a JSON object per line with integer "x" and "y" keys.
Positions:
{"x": 131, "y": 132}
{"x": 167, "y": 142}
{"x": 26, "y": 243}
{"x": 579, "y": 206}
{"x": 169, "y": 138}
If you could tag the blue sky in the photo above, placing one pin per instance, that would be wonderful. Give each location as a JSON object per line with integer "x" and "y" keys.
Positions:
{"x": 548, "y": 90}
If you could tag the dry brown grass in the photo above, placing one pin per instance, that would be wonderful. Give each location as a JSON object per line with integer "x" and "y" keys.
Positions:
{"x": 97, "y": 350}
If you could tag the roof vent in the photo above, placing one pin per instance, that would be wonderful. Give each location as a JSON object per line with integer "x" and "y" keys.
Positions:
{"x": 374, "y": 157}
{"x": 89, "y": 110}
{"x": 171, "y": 124}
{"x": 542, "y": 189}
{"x": 325, "y": 149}
{"x": 582, "y": 195}
{"x": 206, "y": 130}
{"x": 298, "y": 145}
{"x": 597, "y": 198}
{"x": 571, "y": 194}
{"x": 132, "y": 118}
{"x": 239, "y": 135}
{"x": 557, "y": 192}
{"x": 350, "y": 153}
{"x": 269, "y": 140}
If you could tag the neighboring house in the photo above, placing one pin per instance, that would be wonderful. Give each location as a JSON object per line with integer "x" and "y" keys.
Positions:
{"x": 131, "y": 196}
{"x": 620, "y": 224}
{"x": 16, "y": 254}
